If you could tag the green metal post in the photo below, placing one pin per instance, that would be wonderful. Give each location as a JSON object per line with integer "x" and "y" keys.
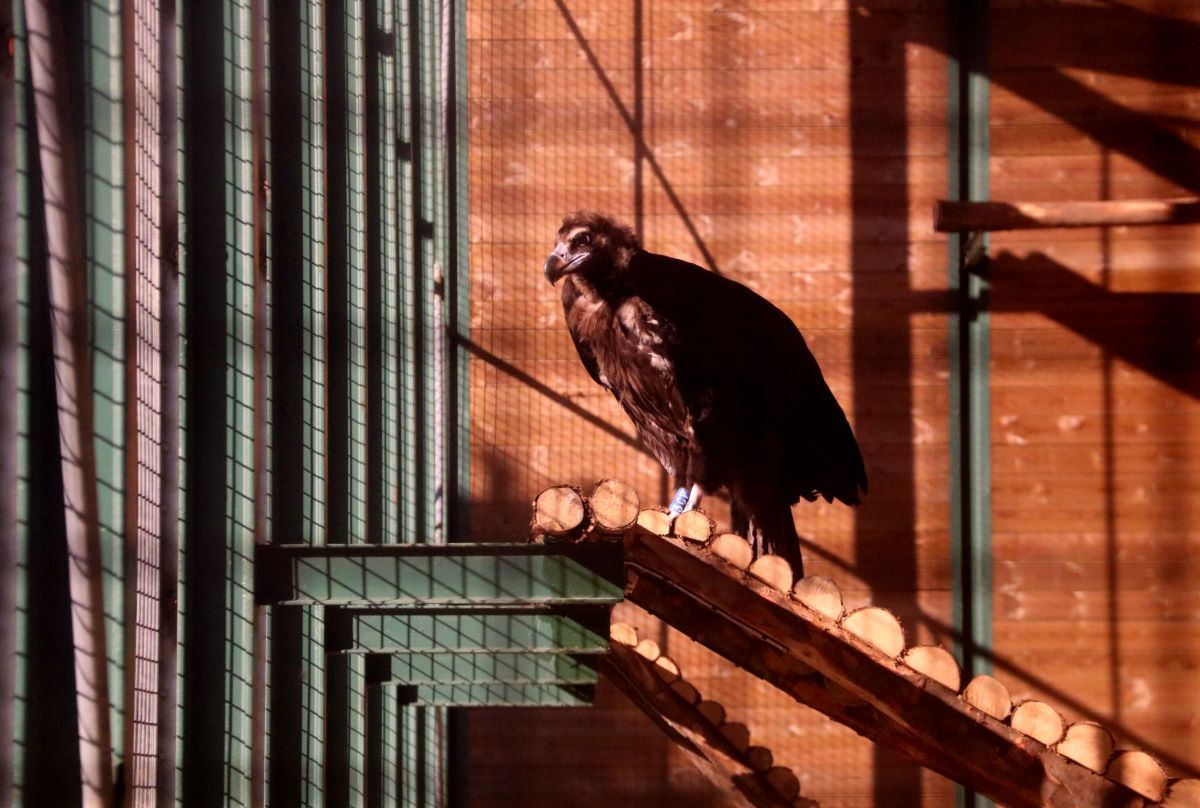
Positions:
{"x": 389, "y": 753}
{"x": 970, "y": 414}
{"x": 10, "y": 407}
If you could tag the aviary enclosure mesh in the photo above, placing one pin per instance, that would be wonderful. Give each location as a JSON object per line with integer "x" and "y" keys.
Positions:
{"x": 796, "y": 147}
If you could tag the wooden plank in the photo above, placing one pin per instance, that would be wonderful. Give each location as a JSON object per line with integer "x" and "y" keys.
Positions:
{"x": 956, "y": 216}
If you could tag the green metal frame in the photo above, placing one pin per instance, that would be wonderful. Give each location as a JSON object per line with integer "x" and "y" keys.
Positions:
{"x": 484, "y": 668}
{"x": 439, "y": 576}
{"x": 495, "y": 695}
{"x": 471, "y": 631}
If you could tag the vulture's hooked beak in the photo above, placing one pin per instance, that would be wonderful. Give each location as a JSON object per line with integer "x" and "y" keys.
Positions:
{"x": 557, "y": 266}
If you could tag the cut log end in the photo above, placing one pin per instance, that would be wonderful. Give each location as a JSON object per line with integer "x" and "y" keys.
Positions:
{"x": 773, "y": 571}
{"x": 784, "y": 782}
{"x": 877, "y": 626}
{"x": 760, "y": 758}
{"x": 693, "y": 526}
{"x": 559, "y": 513}
{"x": 1183, "y": 794}
{"x": 666, "y": 669}
{"x": 712, "y": 711}
{"x": 733, "y": 549}
{"x": 1088, "y": 744}
{"x": 1140, "y": 772}
{"x": 655, "y": 521}
{"x": 685, "y": 691}
{"x": 989, "y": 695}
{"x": 820, "y": 594}
{"x": 936, "y": 663}
{"x": 615, "y": 506}
{"x": 737, "y": 734}
{"x": 648, "y": 650}
{"x": 1039, "y": 721}
{"x": 623, "y": 633}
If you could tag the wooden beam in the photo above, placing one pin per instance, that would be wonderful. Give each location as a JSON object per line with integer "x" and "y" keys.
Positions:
{"x": 956, "y": 217}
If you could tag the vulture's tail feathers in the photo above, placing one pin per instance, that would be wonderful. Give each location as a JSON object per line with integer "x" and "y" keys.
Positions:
{"x": 847, "y": 480}
{"x": 774, "y": 532}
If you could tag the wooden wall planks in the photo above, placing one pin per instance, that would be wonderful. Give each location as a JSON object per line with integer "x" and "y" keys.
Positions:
{"x": 1094, "y": 370}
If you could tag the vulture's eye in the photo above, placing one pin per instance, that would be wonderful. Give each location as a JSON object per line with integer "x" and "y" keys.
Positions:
{"x": 582, "y": 240}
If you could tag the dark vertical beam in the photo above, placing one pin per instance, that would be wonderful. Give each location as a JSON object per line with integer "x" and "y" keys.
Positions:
{"x": 339, "y": 636}
{"x": 337, "y": 285}
{"x": 378, "y": 670}
{"x": 205, "y": 498}
{"x": 970, "y": 413}
{"x": 421, "y": 231}
{"x": 50, "y": 774}
{"x": 169, "y": 325}
{"x": 337, "y": 513}
{"x": 883, "y": 531}
{"x": 375, "y": 41}
{"x": 287, "y": 380}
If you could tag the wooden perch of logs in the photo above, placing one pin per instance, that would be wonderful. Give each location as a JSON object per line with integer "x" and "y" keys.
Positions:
{"x": 854, "y": 667}
{"x": 959, "y": 217}
{"x": 721, "y": 748}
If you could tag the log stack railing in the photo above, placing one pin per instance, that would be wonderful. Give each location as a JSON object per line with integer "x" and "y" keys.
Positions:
{"x": 855, "y": 666}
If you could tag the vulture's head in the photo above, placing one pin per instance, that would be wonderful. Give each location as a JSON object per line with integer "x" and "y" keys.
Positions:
{"x": 593, "y": 245}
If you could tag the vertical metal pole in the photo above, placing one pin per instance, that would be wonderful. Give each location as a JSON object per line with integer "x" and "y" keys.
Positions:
{"x": 10, "y": 345}
{"x": 373, "y": 39}
{"x": 970, "y": 411}
{"x": 290, "y": 668}
{"x": 218, "y": 732}
{"x": 457, "y": 283}
{"x": 169, "y": 325}
{"x": 261, "y": 401}
{"x": 68, "y": 296}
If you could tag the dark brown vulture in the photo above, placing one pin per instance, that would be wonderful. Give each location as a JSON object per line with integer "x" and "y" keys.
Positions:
{"x": 719, "y": 382}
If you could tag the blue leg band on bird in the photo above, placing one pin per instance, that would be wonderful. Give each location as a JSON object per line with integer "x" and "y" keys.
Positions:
{"x": 679, "y": 501}
{"x": 693, "y": 500}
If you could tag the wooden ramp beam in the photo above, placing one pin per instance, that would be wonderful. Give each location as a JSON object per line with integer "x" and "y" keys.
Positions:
{"x": 958, "y": 217}
{"x": 854, "y": 668}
